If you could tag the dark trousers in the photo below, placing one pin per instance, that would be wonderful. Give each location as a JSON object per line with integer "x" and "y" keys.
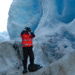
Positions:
{"x": 27, "y": 51}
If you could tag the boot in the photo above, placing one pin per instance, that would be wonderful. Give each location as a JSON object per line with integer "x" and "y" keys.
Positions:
{"x": 24, "y": 71}
{"x": 25, "y": 67}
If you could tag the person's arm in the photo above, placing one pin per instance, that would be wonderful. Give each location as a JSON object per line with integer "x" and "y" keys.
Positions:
{"x": 22, "y": 32}
{"x": 33, "y": 35}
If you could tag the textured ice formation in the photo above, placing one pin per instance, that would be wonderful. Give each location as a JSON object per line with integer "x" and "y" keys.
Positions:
{"x": 23, "y": 13}
{"x": 4, "y": 36}
{"x": 53, "y": 22}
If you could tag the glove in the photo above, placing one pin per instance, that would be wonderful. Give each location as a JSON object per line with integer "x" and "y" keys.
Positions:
{"x": 29, "y": 30}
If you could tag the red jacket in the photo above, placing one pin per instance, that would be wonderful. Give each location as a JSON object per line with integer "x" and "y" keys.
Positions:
{"x": 27, "y": 39}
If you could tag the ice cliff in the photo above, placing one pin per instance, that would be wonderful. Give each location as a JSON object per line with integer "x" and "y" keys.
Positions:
{"x": 43, "y": 14}
{"x": 53, "y": 22}
{"x": 23, "y": 13}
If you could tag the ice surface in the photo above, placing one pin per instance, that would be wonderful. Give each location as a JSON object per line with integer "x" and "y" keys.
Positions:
{"x": 11, "y": 57}
{"x": 8, "y": 57}
{"x": 4, "y": 36}
{"x": 52, "y": 21}
{"x": 56, "y": 28}
{"x": 64, "y": 66}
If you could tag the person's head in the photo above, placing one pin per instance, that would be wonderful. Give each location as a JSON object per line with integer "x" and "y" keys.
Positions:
{"x": 27, "y": 29}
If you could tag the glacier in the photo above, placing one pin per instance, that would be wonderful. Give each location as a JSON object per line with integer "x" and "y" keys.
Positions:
{"x": 28, "y": 13}
{"x": 46, "y": 15}
{"x": 53, "y": 22}
{"x": 4, "y": 36}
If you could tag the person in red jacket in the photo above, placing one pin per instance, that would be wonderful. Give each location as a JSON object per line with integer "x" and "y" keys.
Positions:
{"x": 27, "y": 35}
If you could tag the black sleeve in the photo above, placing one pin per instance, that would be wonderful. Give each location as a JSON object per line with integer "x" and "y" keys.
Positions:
{"x": 32, "y": 34}
{"x": 22, "y": 32}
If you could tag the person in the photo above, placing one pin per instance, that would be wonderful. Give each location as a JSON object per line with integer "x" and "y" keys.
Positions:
{"x": 27, "y": 35}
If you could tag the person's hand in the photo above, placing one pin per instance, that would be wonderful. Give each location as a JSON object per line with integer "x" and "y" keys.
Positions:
{"x": 30, "y": 30}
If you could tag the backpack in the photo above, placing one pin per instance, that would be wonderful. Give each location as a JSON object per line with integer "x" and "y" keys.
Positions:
{"x": 34, "y": 67}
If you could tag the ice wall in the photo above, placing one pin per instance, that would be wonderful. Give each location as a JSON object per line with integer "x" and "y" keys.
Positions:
{"x": 23, "y": 13}
{"x": 52, "y": 20}
{"x": 66, "y": 10}
{"x": 56, "y": 13}
{"x": 56, "y": 28}
{"x": 46, "y": 13}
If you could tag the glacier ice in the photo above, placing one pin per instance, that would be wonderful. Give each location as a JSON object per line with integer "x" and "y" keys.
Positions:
{"x": 4, "y": 36}
{"x": 64, "y": 66}
{"x": 21, "y": 14}
{"x": 11, "y": 57}
{"x": 46, "y": 14}
{"x": 8, "y": 57}
{"x": 53, "y": 22}
{"x": 57, "y": 28}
